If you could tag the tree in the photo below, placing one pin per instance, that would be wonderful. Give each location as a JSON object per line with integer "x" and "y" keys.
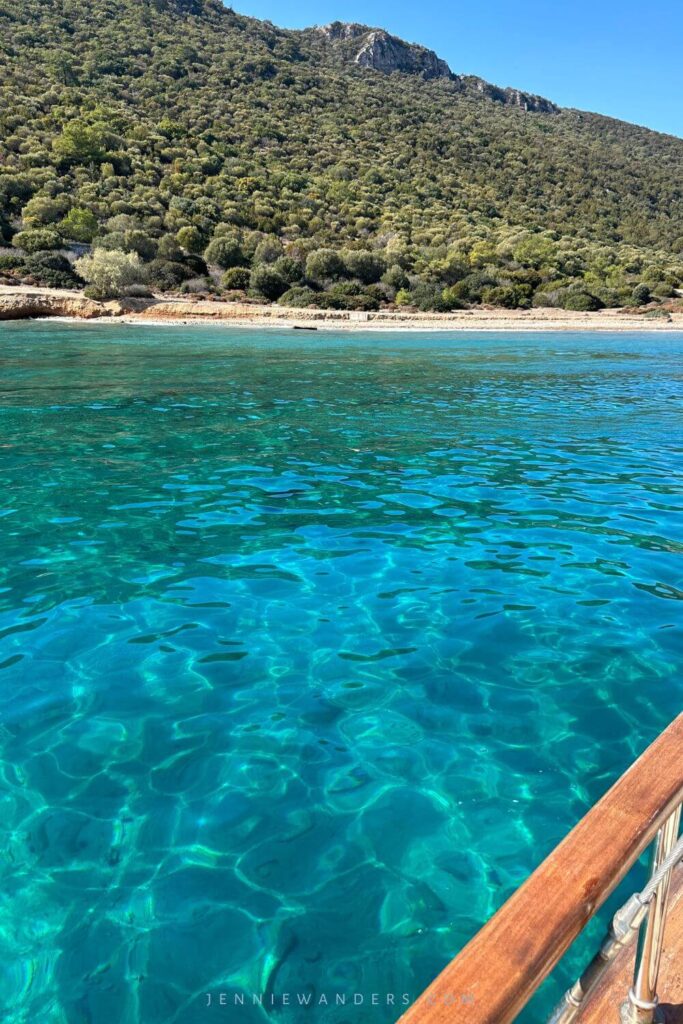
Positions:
{"x": 109, "y": 272}
{"x": 79, "y": 224}
{"x": 80, "y": 143}
{"x": 368, "y": 267}
{"x": 324, "y": 265}
{"x": 641, "y": 295}
{"x": 396, "y": 277}
{"x": 191, "y": 239}
{"x": 268, "y": 250}
{"x": 226, "y": 252}
{"x": 266, "y": 282}
{"x": 237, "y": 278}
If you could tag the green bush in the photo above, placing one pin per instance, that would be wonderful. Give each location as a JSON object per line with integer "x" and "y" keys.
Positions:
{"x": 191, "y": 239}
{"x": 428, "y": 298}
{"x": 268, "y": 250}
{"x": 226, "y": 252}
{"x": 236, "y": 279}
{"x": 79, "y": 225}
{"x": 166, "y": 275}
{"x": 581, "y": 301}
{"x": 368, "y": 267}
{"x": 299, "y": 298}
{"x": 324, "y": 265}
{"x": 109, "y": 272}
{"x": 42, "y": 210}
{"x": 36, "y": 240}
{"x": 80, "y": 143}
{"x": 451, "y": 300}
{"x": 396, "y": 277}
{"x": 641, "y": 294}
{"x": 291, "y": 269}
{"x": 52, "y": 270}
{"x": 663, "y": 291}
{"x": 11, "y": 261}
{"x": 265, "y": 282}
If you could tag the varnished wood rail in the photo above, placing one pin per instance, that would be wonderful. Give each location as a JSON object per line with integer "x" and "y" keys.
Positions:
{"x": 496, "y": 974}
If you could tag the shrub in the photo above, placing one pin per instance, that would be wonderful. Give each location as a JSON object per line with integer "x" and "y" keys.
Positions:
{"x": 139, "y": 291}
{"x": 348, "y": 295}
{"x": 641, "y": 294}
{"x": 581, "y": 301}
{"x": 226, "y": 252}
{"x": 79, "y": 225}
{"x": 657, "y": 314}
{"x": 191, "y": 239}
{"x": 168, "y": 248}
{"x": 11, "y": 261}
{"x": 368, "y": 267}
{"x": 237, "y": 278}
{"x": 663, "y": 291}
{"x": 167, "y": 274}
{"x": 52, "y": 270}
{"x": 109, "y": 272}
{"x": 508, "y": 296}
{"x": 324, "y": 265}
{"x": 268, "y": 250}
{"x": 291, "y": 269}
{"x": 450, "y": 299}
{"x": 80, "y": 143}
{"x": 43, "y": 210}
{"x": 196, "y": 285}
{"x": 299, "y": 297}
{"x": 471, "y": 287}
{"x": 36, "y": 240}
{"x": 427, "y": 297}
{"x": 265, "y": 281}
{"x": 396, "y": 277}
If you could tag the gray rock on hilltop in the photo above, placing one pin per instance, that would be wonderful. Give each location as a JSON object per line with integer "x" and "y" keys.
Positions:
{"x": 378, "y": 49}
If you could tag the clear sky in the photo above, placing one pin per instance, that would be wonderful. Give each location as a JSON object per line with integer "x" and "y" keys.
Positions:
{"x": 617, "y": 57}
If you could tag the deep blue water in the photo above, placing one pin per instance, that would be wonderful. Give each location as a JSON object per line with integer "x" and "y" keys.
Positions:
{"x": 311, "y": 648}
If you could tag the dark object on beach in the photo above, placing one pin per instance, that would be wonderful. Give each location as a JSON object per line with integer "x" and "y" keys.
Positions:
{"x": 297, "y": 327}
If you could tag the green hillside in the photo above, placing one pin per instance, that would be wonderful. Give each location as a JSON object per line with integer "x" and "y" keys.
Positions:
{"x": 340, "y": 167}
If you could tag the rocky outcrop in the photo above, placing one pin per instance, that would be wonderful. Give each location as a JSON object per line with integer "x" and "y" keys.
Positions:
{"x": 385, "y": 53}
{"x": 26, "y": 305}
{"x": 375, "y": 48}
{"x": 511, "y": 97}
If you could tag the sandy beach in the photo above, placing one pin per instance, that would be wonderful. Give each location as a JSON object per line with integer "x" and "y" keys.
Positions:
{"x": 23, "y": 302}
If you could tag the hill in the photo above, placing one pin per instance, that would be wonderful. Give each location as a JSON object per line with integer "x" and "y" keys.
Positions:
{"x": 340, "y": 165}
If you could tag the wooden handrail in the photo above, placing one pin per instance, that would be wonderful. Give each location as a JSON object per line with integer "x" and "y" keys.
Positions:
{"x": 496, "y": 974}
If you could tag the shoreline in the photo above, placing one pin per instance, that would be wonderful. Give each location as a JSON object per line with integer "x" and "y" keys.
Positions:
{"x": 26, "y": 303}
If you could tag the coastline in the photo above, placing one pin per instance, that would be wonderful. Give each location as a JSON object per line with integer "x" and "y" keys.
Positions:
{"x": 24, "y": 302}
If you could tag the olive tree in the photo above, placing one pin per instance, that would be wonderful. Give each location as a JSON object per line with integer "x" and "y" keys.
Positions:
{"x": 109, "y": 272}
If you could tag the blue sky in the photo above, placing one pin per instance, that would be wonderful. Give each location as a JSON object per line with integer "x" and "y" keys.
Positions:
{"x": 620, "y": 58}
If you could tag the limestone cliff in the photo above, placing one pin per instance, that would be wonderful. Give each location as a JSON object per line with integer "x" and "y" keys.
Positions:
{"x": 377, "y": 49}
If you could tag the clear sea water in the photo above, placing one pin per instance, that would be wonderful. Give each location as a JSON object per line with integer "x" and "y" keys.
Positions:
{"x": 311, "y": 648}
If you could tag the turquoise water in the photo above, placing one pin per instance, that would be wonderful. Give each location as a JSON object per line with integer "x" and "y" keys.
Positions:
{"x": 311, "y": 647}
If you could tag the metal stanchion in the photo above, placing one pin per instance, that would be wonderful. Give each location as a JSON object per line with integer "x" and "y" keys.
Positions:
{"x": 642, "y": 1004}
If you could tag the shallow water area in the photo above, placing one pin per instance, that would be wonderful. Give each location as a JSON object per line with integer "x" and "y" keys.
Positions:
{"x": 311, "y": 647}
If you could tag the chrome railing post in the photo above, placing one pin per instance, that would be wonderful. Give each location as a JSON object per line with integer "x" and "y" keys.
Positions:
{"x": 641, "y": 1007}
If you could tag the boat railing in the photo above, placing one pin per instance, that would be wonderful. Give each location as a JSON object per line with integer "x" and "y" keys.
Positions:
{"x": 498, "y": 971}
